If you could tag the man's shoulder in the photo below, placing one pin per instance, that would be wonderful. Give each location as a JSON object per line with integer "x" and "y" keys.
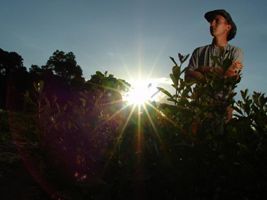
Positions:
{"x": 234, "y": 47}
{"x": 236, "y": 53}
{"x": 230, "y": 47}
{"x": 201, "y": 48}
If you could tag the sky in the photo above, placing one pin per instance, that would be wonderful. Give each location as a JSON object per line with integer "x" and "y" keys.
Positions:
{"x": 131, "y": 38}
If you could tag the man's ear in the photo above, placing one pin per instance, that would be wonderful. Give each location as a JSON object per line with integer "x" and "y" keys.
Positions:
{"x": 229, "y": 26}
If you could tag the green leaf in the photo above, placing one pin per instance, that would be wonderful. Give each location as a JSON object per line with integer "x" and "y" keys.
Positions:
{"x": 164, "y": 91}
{"x": 182, "y": 58}
{"x": 173, "y": 61}
{"x": 186, "y": 57}
{"x": 176, "y": 71}
{"x": 237, "y": 109}
{"x": 98, "y": 73}
{"x": 174, "y": 79}
{"x": 244, "y": 93}
{"x": 172, "y": 100}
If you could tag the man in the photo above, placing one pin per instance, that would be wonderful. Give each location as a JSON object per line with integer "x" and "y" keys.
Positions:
{"x": 223, "y": 29}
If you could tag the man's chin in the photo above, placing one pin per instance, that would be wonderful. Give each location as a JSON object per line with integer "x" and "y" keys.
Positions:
{"x": 212, "y": 33}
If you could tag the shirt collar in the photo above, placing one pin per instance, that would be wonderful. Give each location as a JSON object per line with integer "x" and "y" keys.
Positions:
{"x": 216, "y": 47}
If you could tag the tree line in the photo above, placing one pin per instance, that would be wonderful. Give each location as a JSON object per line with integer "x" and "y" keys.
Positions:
{"x": 61, "y": 74}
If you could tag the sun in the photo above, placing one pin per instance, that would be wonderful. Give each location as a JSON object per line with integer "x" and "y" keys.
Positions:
{"x": 141, "y": 91}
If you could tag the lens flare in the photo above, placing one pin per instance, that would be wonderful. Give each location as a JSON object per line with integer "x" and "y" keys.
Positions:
{"x": 140, "y": 93}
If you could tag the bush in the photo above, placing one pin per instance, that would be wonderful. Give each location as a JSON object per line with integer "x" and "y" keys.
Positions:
{"x": 91, "y": 145}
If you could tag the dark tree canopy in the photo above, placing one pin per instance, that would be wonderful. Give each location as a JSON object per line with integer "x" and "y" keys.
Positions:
{"x": 10, "y": 62}
{"x": 64, "y": 65}
{"x": 14, "y": 79}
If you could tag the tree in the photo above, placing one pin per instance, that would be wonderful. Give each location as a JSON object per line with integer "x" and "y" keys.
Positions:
{"x": 65, "y": 66}
{"x": 9, "y": 62}
{"x": 14, "y": 79}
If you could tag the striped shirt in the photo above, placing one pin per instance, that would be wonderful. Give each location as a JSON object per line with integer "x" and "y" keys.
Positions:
{"x": 203, "y": 56}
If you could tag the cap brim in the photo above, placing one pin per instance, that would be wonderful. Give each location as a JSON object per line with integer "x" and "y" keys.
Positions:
{"x": 209, "y": 16}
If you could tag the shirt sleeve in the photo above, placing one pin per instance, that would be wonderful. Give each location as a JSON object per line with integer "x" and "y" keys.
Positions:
{"x": 193, "y": 62}
{"x": 238, "y": 55}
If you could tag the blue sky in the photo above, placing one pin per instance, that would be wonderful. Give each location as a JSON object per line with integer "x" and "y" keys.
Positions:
{"x": 131, "y": 38}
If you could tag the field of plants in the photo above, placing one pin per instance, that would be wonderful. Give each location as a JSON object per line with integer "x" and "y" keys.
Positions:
{"x": 64, "y": 138}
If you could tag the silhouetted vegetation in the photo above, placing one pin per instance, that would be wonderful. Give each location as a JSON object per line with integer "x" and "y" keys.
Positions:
{"x": 79, "y": 140}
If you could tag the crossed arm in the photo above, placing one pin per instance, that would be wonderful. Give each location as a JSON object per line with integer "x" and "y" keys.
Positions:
{"x": 198, "y": 73}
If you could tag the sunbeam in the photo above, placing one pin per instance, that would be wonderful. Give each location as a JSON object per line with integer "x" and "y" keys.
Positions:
{"x": 139, "y": 132}
{"x": 120, "y": 134}
{"x": 162, "y": 114}
{"x": 152, "y": 123}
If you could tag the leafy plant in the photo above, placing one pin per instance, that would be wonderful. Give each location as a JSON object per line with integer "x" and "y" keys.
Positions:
{"x": 231, "y": 150}
{"x": 203, "y": 100}
{"x": 88, "y": 145}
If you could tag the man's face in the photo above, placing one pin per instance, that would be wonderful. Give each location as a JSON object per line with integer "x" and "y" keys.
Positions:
{"x": 219, "y": 27}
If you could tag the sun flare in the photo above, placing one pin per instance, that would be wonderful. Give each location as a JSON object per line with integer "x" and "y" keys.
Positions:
{"x": 140, "y": 92}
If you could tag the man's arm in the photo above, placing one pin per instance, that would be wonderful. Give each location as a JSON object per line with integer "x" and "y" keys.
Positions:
{"x": 234, "y": 69}
{"x": 237, "y": 64}
{"x": 194, "y": 71}
{"x": 190, "y": 73}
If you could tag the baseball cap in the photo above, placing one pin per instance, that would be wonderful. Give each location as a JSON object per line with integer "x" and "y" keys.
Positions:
{"x": 211, "y": 14}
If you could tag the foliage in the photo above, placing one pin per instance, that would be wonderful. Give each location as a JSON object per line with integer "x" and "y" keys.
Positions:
{"x": 108, "y": 85}
{"x": 204, "y": 100}
{"x": 224, "y": 151}
{"x": 76, "y": 135}
{"x": 83, "y": 142}
{"x": 13, "y": 76}
{"x": 64, "y": 65}
{"x": 9, "y": 62}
